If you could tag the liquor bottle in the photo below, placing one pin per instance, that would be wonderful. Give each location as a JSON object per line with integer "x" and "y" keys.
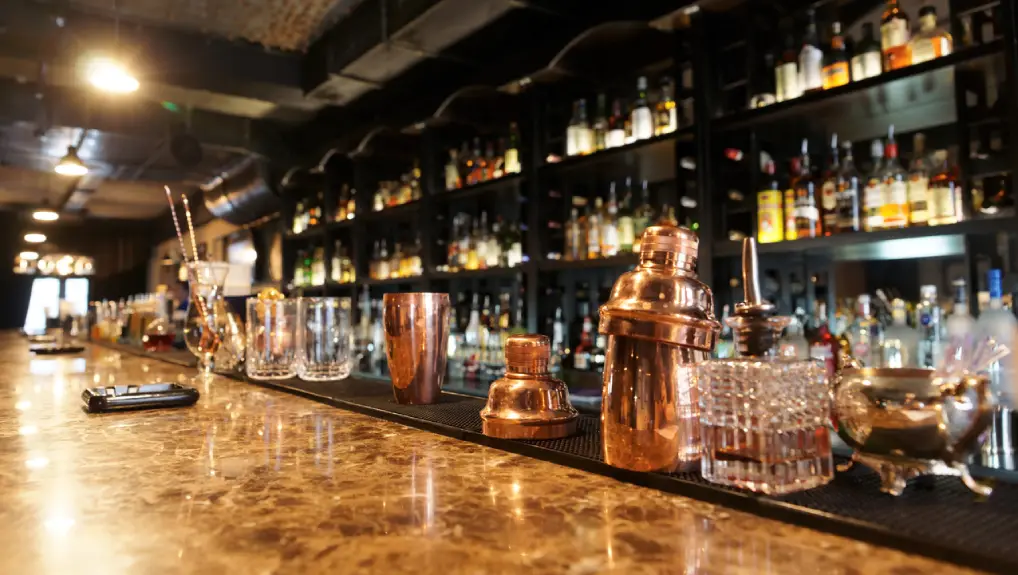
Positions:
{"x": 351, "y": 205}
{"x": 480, "y": 242}
{"x": 512, "y": 152}
{"x": 373, "y": 262}
{"x": 873, "y": 193}
{"x": 786, "y": 72}
{"x": 452, "y": 172}
{"x": 558, "y": 340}
{"x": 480, "y": 165}
{"x": 945, "y": 196}
{"x": 836, "y": 66}
{"x": 384, "y": 263}
{"x": 830, "y": 190}
{"x": 600, "y": 125}
{"x": 616, "y": 135}
{"x": 344, "y": 198}
{"x": 298, "y": 218}
{"x": 298, "y": 269}
{"x": 811, "y": 58}
{"x": 415, "y": 264}
{"x": 641, "y": 117}
{"x": 667, "y": 114}
{"x": 930, "y": 41}
{"x": 498, "y": 165}
{"x": 807, "y": 215}
{"x": 868, "y": 59}
{"x": 822, "y": 343}
{"x": 895, "y": 208}
{"x": 960, "y": 322}
{"x": 770, "y": 225}
{"x": 609, "y": 225}
{"x": 598, "y": 353}
{"x": 894, "y": 36}
{"x": 594, "y": 231}
{"x": 415, "y": 180}
{"x": 576, "y": 241}
{"x": 466, "y": 163}
{"x": 795, "y": 167}
{"x": 1000, "y": 324}
{"x": 766, "y": 94}
{"x": 919, "y": 184}
{"x": 515, "y": 242}
{"x": 643, "y": 217}
{"x": 866, "y": 334}
{"x": 582, "y": 351}
{"x": 668, "y": 216}
{"x": 900, "y": 347}
{"x": 849, "y": 189}
{"x": 493, "y": 253}
{"x": 627, "y": 235}
{"x": 793, "y": 343}
{"x": 336, "y": 270}
{"x": 930, "y": 320}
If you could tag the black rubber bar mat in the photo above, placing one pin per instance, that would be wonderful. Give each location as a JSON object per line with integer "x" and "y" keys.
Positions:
{"x": 936, "y": 516}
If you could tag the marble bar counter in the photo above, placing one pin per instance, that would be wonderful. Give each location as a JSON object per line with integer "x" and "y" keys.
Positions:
{"x": 256, "y": 481}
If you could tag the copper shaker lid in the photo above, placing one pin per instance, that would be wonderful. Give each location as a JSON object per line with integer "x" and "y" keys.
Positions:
{"x": 663, "y": 299}
{"x": 528, "y": 403}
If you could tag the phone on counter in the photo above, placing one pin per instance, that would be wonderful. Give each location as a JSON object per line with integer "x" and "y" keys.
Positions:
{"x": 147, "y": 396}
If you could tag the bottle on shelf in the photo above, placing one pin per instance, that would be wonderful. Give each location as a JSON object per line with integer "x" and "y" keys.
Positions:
{"x": 919, "y": 184}
{"x": 667, "y": 117}
{"x": 594, "y": 231}
{"x": 600, "y": 127}
{"x": 298, "y": 270}
{"x": 583, "y": 350}
{"x": 512, "y": 151}
{"x": 823, "y": 345}
{"x": 836, "y": 65}
{"x": 415, "y": 265}
{"x": 867, "y": 62}
{"x": 866, "y": 334}
{"x": 895, "y": 210}
{"x": 479, "y": 165}
{"x": 894, "y": 37}
{"x": 849, "y": 189}
{"x": 643, "y": 217}
{"x": 793, "y": 343}
{"x": 616, "y": 135}
{"x": 770, "y": 226}
{"x": 930, "y": 320}
{"x": 515, "y": 243}
{"x": 452, "y": 171}
{"x": 811, "y": 58}
{"x": 609, "y": 225}
{"x": 576, "y": 240}
{"x": 298, "y": 218}
{"x": 496, "y": 168}
{"x": 579, "y": 136}
{"x": 960, "y": 322}
{"x": 930, "y": 41}
{"x": 493, "y": 251}
{"x": 766, "y": 94}
{"x": 794, "y": 169}
{"x": 807, "y": 215}
{"x": 1000, "y": 324}
{"x": 786, "y": 72}
{"x": 342, "y": 204}
{"x": 626, "y": 229}
{"x": 900, "y": 347}
{"x": 945, "y": 195}
{"x": 641, "y": 117}
{"x": 336, "y": 269}
{"x": 382, "y": 268}
{"x": 830, "y": 190}
{"x": 668, "y": 216}
{"x": 480, "y": 241}
{"x": 873, "y": 193}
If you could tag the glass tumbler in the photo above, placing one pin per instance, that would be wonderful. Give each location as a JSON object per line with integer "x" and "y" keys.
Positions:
{"x": 271, "y": 339}
{"x": 323, "y": 338}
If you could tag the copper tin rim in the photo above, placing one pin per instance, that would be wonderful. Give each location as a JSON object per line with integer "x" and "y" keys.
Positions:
{"x": 512, "y": 429}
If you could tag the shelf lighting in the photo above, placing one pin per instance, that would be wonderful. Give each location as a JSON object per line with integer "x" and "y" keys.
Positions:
{"x": 29, "y": 256}
{"x": 35, "y": 238}
{"x": 45, "y": 216}
{"x": 109, "y": 76}
{"x": 71, "y": 164}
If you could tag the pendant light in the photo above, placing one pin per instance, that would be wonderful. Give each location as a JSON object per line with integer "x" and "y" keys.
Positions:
{"x": 71, "y": 164}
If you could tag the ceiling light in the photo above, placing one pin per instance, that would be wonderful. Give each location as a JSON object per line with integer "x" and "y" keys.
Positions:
{"x": 29, "y": 256}
{"x": 71, "y": 164}
{"x": 45, "y": 215}
{"x": 109, "y": 76}
{"x": 34, "y": 238}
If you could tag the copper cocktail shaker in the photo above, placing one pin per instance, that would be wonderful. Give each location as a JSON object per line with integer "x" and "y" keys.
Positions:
{"x": 528, "y": 403}
{"x": 416, "y": 338}
{"x": 660, "y": 323}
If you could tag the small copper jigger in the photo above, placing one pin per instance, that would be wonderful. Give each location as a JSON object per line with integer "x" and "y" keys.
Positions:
{"x": 416, "y": 337}
{"x": 660, "y": 324}
{"x": 528, "y": 403}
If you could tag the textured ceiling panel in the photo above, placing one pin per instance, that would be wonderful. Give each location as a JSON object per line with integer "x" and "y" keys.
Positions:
{"x": 280, "y": 24}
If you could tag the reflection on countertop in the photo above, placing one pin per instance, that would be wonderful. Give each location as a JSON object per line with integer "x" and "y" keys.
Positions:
{"x": 256, "y": 481}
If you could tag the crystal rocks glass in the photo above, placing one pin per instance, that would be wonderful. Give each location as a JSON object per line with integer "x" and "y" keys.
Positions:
{"x": 271, "y": 338}
{"x": 323, "y": 338}
{"x": 765, "y": 423}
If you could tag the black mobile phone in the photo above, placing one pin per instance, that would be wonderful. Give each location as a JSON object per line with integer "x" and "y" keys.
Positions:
{"x": 147, "y": 396}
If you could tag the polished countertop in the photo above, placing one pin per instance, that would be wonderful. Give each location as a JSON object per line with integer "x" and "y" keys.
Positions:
{"x": 257, "y": 481}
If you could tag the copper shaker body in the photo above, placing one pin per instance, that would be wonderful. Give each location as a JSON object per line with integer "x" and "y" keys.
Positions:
{"x": 416, "y": 329}
{"x": 660, "y": 322}
{"x": 527, "y": 402}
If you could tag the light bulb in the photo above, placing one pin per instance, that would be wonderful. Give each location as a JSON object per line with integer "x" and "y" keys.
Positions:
{"x": 35, "y": 238}
{"x": 45, "y": 215}
{"x": 109, "y": 76}
{"x": 29, "y": 256}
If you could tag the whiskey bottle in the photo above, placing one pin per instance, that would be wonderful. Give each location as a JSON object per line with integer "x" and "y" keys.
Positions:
{"x": 626, "y": 229}
{"x": 873, "y": 193}
{"x": 512, "y": 152}
{"x": 829, "y": 191}
{"x": 868, "y": 60}
{"x": 576, "y": 242}
{"x": 616, "y": 135}
{"x": 579, "y": 137}
{"x": 609, "y": 225}
{"x": 667, "y": 114}
{"x": 918, "y": 184}
{"x": 894, "y": 37}
{"x": 930, "y": 41}
{"x": 594, "y": 231}
{"x": 811, "y": 58}
{"x": 836, "y": 67}
{"x": 600, "y": 130}
{"x": 795, "y": 167}
{"x": 786, "y": 72}
{"x": 944, "y": 194}
{"x": 849, "y": 189}
{"x": 770, "y": 226}
{"x": 895, "y": 208}
{"x": 807, "y": 216}
{"x": 642, "y": 119}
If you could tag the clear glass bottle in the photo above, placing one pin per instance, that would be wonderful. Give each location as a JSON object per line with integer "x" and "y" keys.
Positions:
{"x": 930, "y": 324}
{"x": 610, "y": 225}
{"x": 866, "y": 334}
{"x": 159, "y": 333}
{"x": 764, "y": 418}
{"x": 807, "y": 213}
{"x": 811, "y": 58}
{"x": 600, "y": 130}
{"x": 930, "y": 41}
{"x": 830, "y": 189}
{"x": 579, "y": 136}
{"x": 873, "y": 193}
{"x": 960, "y": 322}
{"x": 999, "y": 323}
{"x": 900, "y": 347}
{"x": 793, "y": 343}
{"x": 641, "y": 117}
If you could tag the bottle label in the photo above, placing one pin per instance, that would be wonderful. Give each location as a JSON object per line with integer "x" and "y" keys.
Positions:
{"x": 836, "y": 75}
{"x": 848, "y": 206}
{"x": 918, "y": 200}
{"x": 810, "y": 68}
{"x": 829, "y": 202}
{"x": 944, "y": 204}
{"x": 893, "y": 33}
{"x": 895, "y": 208}
{"x": 609, "y": 240}
{"x": 571, "y": 138}
{"x": 512, "y": 161}
{"x": 584, "y": 141}
{"x": 643, "y": 123}
{"x": 788, "y": 80}
{"x": 615, "y": 138}
{"x": 626, "y": 233}
{"x": 872, "y": 201}
{"x": 866, "y": 65}
{"x": 770, "y": 219}
{"x": 790, "y": 230}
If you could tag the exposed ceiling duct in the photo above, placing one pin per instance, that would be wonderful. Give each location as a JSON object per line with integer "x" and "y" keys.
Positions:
{"x": 243, "y": 193}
